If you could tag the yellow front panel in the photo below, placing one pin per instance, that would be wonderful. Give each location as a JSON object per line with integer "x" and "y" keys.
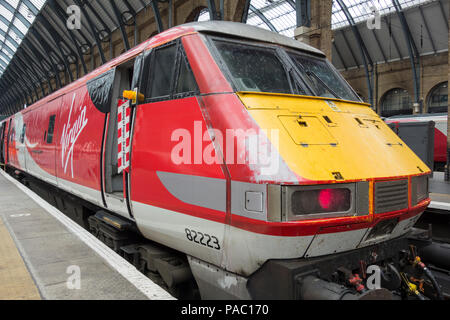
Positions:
{"x": 307, "y": 130}
{"x": 319, "y": 138}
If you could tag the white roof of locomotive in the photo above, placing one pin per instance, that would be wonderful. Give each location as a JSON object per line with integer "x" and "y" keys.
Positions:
{"x": 242, "y": 30}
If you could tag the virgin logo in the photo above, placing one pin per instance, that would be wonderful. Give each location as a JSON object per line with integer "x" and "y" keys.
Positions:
{"x": 70, "y": 134}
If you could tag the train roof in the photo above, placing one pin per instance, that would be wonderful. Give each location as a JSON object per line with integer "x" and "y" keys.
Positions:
{"x": 242, "y": 30}
{"x": 233, "y": 29}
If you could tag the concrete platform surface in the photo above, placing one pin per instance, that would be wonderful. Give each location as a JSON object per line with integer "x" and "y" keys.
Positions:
{"x": 439, "y": 192}
{"x": 44, "y": 254}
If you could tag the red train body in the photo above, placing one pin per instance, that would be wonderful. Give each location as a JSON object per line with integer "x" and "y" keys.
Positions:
{"x": 216, "y": 213}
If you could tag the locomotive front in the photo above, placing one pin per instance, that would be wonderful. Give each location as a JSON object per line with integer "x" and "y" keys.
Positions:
{"x": 323, "y": 195}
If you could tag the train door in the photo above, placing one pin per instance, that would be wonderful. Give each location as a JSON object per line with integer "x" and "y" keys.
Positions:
{"x": 175, "y": 193}
{"x": 20, "y": 142}
{"x": 44, "y": 155}
{"x": 116, "y": 180}
{"x": 2, "y": 142}
{"x": 7, "y": 142}
{"x": 13, "y": 153}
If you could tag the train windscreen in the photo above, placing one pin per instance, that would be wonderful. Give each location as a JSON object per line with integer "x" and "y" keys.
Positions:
{"x": 324, "y": 81}
{"x": 255, "y": 68}
{"x": 273, "y": 69}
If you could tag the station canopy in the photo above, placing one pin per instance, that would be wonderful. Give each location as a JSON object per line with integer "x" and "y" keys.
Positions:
{"x": 427, "y": 20}
{"x": 16, "y": 17}
{"x": 36, "y": 45}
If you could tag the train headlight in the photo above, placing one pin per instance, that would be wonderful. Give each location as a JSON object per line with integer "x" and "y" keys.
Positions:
{"x": 324, "y": 201}
{"x": 419, "y": 189}
{"x": 307, "y": 202}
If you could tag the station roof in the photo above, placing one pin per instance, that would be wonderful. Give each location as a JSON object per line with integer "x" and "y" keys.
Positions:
{"x": 16, "y": 17}
{"x": 35, "y": 43}
{"x": 427, "y": 20}
{"x": 428, "y": 26}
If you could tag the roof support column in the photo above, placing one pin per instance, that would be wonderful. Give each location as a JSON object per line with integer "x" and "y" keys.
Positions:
{"x": 314, "y": 24}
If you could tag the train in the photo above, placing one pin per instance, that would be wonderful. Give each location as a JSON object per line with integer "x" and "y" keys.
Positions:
{"x": 233, "y": 163}
{"x": 440, "y": 133}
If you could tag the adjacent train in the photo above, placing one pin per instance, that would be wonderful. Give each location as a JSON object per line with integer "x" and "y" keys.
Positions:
{"x": 248, "y": 165}
{"x": 440, "y": 133}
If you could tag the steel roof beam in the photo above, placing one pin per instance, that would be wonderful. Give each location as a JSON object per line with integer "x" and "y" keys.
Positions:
{"x": 78, "y": 32}
{"x": 133, "y": 13}
{"x": 59, "y": 40}
{"x": 18, "y": 94}
{"x": 93, "y": 30}
{"x": 33, "y": 71}
{"x": 25, "y": 65}
{"x": 246, "y": 11}
{"x": 27, "y": 81}
{"x": 38, "y": 62}
{"x": 48, "y": 49}
{"x": 43, "y": 62}
{"x": 412, "y": 50}
{"x": 62, "y": 16}
{"x": 394, "y": 41}
{"x": 347, "y": 43}
{"x": 263, "y": 18}
{"x": 157, "y": 14}
{"x": 130, "y": 8}
{"x": 23, "y": 91}
{"x": 122, "y": 26}
{"x": 443, "y": 13}
{"x": 427, "y": 29}
{"x": 379, "y": 45}
{"x": 367, "y": 60}
{"x": 23, "y": 84}
{"x": 97, "y": 16}
{"x": 339, "y": 55}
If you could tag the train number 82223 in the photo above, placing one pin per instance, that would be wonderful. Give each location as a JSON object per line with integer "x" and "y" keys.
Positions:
{"x": 202, "y": 239}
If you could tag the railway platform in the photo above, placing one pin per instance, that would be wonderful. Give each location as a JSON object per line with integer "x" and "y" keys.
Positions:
{"x": 437, "y": 215}
{"x": 439, "y": 193}
{"x": 45, "y": 255}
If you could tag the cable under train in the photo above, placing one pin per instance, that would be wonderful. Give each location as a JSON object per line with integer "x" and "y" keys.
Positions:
{"x": 237, "y": 162}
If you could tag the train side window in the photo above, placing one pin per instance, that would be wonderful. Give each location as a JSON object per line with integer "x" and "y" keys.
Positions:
{"x": 162, "y": 72}
{"x": 51, "y": 129}
{"x": 22, "y": 135}
{"x": 186, "y": 84}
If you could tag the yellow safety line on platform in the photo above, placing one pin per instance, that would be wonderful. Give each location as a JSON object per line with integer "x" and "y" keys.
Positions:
{"x": 15, "y": 280}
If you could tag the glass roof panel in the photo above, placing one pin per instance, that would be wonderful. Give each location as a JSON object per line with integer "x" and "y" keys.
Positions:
{"x": 13, "y": 15}
{"x": 5, "y": 12}
{"x": 204, "y": 15}
{"x": 361, "y": 10}
{"x": 281, "y": 13}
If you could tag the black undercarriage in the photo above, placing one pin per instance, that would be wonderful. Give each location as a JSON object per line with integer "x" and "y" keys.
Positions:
{"x": 345, "y": 276}
{"x": 410, "y": 267}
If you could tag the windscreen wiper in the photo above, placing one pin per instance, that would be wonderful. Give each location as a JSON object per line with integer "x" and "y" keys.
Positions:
{"x": 310, "y": 73}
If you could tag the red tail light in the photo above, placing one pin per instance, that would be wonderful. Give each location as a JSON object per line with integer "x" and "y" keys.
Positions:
{"x": 321, "y": 201}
